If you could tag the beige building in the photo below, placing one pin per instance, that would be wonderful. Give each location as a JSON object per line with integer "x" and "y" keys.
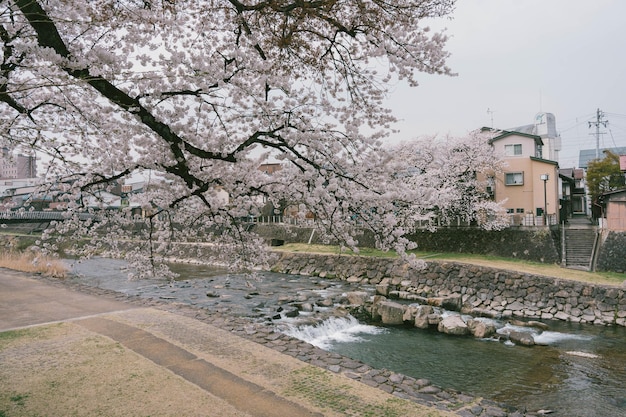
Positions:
{"x": 614, "y": 204}
{"x": 528, "y": 187}
{"x": 17, "y": 166}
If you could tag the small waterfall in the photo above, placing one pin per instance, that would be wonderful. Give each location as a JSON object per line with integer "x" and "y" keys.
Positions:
{"x": 331, "y": 330}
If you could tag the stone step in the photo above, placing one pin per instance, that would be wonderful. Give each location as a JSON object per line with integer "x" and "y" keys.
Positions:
{"x": 579, "y": 245}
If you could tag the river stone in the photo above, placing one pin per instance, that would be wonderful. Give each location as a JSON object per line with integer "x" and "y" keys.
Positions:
{"x": 357, "y": 298}
{"x": 522, "y": 338}
{"x": 421, "y": 316}
{"x": 453, "y": 325}
{"x": 480, "y": 329}
{"x": 382, "y": 289}
{"x": 409, "y": 313}
{"x": 452, "y": 303}
{"x": 530, "y": 323}
{"x": 306, "y": 307}
{"x": 434, "y": 318}
{"x": 391, "y": 312}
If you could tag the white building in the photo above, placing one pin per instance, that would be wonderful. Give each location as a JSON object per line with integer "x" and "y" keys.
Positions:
{"x": 544, "y": 126}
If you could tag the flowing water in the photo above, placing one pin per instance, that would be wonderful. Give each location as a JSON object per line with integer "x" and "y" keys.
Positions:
{"x": 578, "y": 371}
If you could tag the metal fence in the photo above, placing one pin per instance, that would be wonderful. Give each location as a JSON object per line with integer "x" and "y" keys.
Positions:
{"x": 514, "y": 220}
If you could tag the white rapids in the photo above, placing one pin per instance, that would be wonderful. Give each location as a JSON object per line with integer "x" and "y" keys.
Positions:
{"x": 331, "y": 330}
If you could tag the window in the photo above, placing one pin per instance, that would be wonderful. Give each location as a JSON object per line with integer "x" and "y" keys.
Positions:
{"x": 513, "y": 150}
{"x": 514, "y": 178}
{"x": 519, "y": 210}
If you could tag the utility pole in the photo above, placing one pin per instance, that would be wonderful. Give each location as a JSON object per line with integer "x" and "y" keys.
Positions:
{"x": 599, "y": 121}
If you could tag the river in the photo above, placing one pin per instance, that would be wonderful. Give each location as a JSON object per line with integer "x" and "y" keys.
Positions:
{"x": 579, "y": 371}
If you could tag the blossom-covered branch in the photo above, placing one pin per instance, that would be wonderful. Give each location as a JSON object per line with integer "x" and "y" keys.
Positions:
{"x": 199, "y": 94}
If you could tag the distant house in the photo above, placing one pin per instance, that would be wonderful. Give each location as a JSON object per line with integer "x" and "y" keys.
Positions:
{"x": 270, "y": 168}
{"x": 573, "y": 194}
{"x": 614, "y": 210}
{"x": 529, "y": 186}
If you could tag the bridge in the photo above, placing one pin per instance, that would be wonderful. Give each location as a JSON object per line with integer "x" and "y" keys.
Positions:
{"x": 37, "y": 216}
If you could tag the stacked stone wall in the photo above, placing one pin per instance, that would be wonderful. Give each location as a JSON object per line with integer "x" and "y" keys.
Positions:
{"x": 483, "y": 290}
{"x": 532, "y": 244}
{"x": 612, "y": 255}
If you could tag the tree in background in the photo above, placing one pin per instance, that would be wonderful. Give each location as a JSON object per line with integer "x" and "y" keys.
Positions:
{"x": 199, "y": 93}
{"x": 603, "y": 175}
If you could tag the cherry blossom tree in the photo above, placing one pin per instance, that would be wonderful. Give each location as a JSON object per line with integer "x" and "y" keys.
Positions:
{"x": 199, "y": 93}
{"x": 444, "y": 180}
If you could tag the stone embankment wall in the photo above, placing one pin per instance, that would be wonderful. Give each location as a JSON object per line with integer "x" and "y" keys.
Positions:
{"x": 531, "y": 244}
{"x": 539, "y": 245}
{"x": 612, "y": 254}
{"x": 483, "y": 291}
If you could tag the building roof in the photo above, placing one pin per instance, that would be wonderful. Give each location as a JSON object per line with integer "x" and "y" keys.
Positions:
{"x": 613, "y": 195}
{"x": 567, "y": 172}
{"x": 500, "y": 134}
{"x": 587, "y": 155}
{"x": 546, "y": 161}
{"x": 528, "y": 129}
{"x": 573, "y": 173}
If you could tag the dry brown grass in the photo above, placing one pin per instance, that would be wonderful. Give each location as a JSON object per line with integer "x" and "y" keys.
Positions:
{"x": 33, "y": 262}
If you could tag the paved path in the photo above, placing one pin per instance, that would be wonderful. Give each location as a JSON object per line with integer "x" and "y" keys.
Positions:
{"x": 26, "y": 302}
{"x": 236, "y": 374}
{"x": 249, "y": 397}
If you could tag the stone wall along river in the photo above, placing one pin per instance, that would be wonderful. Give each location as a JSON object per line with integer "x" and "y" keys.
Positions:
{"x": 483, "y": 291}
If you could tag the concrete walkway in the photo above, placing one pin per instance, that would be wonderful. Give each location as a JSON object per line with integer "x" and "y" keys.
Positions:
{"x": 239, "y": 377}
{"x": 27, "y": 302}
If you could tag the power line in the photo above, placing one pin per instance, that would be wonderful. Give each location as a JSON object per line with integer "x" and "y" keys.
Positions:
{"x": 616, "y": 114}
{"x": 612, "y": 138}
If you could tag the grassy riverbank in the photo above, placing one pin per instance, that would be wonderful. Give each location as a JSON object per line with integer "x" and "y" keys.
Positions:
{"x": 31, "y": 262}
{"x": 536, "y": 268}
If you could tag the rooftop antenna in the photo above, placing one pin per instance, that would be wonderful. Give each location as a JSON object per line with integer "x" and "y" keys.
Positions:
{"x": 490, "y": 113}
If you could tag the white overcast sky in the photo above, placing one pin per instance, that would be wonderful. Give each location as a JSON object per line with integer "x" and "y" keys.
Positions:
{"x": 520, "y": 57}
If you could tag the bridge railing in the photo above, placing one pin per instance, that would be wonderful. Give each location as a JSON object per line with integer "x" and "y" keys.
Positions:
{"x": 39, "y": 215}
